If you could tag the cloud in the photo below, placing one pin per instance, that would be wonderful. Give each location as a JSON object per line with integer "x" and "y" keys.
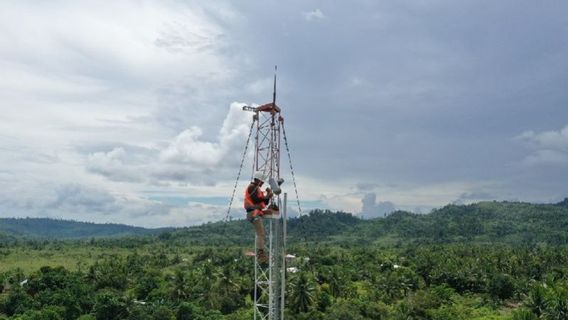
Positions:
{"x": 83, "y": 199}
{"x": 546, "y": 157}
{"x": 476, "y": 195}
{"x": 88, "y": 203}
{"x": 119, "y": 37}
{"x": 202, "y": 157}
{"x": 180, "y": 37}
{"x": 473, "y": 196}
{"x": 549, "y": 147}
{"x": 552, "y": 140}
{"x": 190, "y": 156}
{"x": 189, "y": 148}
{"x": 200, "y": 153}
{"x": 372, "y": 209}
{"x": 315, "y": 14}
{"x": 365, "y": 186}
{"x": 112, "y": 165}
{"x": 343, "y": 202}
{"x": 128, "y": 98}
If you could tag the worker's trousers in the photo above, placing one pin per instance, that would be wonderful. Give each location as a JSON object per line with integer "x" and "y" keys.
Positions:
{"x": 259, "y": 231}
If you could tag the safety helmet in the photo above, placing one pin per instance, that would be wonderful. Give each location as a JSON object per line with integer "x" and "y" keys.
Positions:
{"x": 259, "y": 176}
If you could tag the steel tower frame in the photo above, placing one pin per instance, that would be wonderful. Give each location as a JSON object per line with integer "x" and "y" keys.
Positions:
{"x": 270, "y": 280}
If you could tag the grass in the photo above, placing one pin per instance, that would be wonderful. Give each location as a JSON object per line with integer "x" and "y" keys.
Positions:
{"x": 72, "y": 258}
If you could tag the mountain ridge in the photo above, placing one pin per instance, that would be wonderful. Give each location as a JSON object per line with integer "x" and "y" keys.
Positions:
{"x": 69, "y": 229}
{"x": 481, "y": 222}
{"x": 516, "y": 223}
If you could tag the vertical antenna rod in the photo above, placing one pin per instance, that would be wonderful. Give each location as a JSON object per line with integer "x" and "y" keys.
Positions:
{"x": 274, "y": 92}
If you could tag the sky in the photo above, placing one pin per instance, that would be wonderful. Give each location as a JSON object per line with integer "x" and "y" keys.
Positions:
{"x": 130, "y": 111}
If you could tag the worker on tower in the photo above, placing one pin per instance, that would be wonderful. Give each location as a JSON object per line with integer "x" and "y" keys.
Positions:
{"x": 256, "y": 205}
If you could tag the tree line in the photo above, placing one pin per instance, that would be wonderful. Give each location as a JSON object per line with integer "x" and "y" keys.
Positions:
{"x": 480, "y": 261}
{"x": 449, "y": 281}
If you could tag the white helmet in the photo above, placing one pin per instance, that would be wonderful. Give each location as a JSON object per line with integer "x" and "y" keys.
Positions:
{"x": 259, "y": 176}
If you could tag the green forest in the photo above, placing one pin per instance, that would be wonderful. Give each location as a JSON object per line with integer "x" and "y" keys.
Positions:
{"x": 488, "y": 260}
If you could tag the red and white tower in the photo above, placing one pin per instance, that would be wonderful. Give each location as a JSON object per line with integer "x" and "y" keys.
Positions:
{"x": 270, "y": 280}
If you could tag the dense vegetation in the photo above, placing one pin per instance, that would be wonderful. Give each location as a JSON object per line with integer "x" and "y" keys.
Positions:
{"x": 483, "y": 223}
{"x": 483, "y": 261}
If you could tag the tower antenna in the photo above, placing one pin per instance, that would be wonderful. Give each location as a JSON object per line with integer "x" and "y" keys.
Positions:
{"x": 274, "y": 92}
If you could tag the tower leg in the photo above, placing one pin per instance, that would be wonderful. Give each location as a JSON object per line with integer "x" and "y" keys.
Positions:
{"x": 269, "y": 279}
{"x": 283, "y": 269}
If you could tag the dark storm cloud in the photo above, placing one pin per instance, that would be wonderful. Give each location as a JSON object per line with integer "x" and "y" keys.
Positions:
{"x": 412, "y": 92}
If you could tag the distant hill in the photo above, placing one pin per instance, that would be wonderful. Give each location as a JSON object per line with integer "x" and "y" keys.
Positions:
{"x": 483, "y": 222}
{"x": 514, "y": 223}
{"x": 67, "y": 229}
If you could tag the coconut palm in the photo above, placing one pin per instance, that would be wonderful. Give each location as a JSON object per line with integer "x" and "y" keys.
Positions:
{"x": 557, "y": 304}
{"x": 536, "y": 302}
{"x": 302, "y": 293}
{"x": 182, "y": 285}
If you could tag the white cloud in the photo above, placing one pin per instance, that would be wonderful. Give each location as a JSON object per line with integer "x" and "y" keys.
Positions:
{"x": 128, "y": 39}
{"x": 112, "y": 165}
{"x": 198, "y": 159}
{"x": 201, "y": 153}
{"x": 342, "y": 202}
{"x": 82, "y": 63}
{"x": 549, "y": 147}
{"x": 546, "y": 157}
{"x": 86, "y": 203}
{"x": 195, "y": 213}
{"x": 80, "y": 199}
{"x": 406, "y": 196}
{"x": 88, "y": 95}
{"x": 188, "y": 157}
{"x": 373, "y": 209}
{"x": 189, "y": 148}
{"x": 552, "y": 140}
{"x": 315, "y": 14}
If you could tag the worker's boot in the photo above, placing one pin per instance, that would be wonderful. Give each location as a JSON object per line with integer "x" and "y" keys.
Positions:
{"x": 262, "y": 257}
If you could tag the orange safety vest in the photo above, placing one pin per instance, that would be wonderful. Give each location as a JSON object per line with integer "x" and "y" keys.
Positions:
{"x": 256, "y": 208}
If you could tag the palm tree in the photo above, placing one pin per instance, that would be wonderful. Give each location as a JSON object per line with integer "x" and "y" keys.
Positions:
{"x": 557, "y": 304}
{"x": 302, "y": 295}
{"x": 225, "y": 282}
{"x": 403, "y": 312}
{"x": 337, "y": 283}
{"x": 536, "y": 302}
{"x": 182, "y": 285}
